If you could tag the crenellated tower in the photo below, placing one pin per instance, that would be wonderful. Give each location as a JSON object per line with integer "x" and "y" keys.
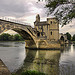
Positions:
{"x": 53, "y": 29}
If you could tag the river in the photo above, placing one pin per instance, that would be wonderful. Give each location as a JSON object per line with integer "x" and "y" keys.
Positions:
{"x": 51, "y": 62}
{"x": 12, "y": 54}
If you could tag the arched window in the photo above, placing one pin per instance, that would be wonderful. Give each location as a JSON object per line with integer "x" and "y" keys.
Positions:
{"x": 62, "y": 38}
{"x": 51, "y": 22}
{"x": 38, "y": 34}
{"x": 51, "y": 33}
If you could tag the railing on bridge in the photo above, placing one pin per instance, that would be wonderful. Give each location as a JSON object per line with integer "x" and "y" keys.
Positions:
{"x": 14, "y": 20}
{"x": 31, "y": 30}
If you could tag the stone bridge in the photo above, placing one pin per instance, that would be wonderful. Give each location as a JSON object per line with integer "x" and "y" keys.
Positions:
{"x": 45, "y": 35}
{"x": 26, "y": 31}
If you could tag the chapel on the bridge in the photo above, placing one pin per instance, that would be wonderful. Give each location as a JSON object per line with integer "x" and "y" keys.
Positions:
{"x": 47, "y": 29}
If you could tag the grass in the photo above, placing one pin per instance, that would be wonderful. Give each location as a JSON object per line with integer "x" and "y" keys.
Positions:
{"x": 73, "y": 42}
{"x": 31, "y": 73}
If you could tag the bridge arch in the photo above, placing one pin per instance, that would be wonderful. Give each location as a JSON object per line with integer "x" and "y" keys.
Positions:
{"x": 25, "y": 31}
{"x": 62, "y": 38}
{"x": 29, "y": 39}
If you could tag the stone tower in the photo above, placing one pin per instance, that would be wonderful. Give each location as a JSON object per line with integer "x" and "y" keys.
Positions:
{"x": 53, "y": 29}
{"x": 37, "y": 18}
{"x": 48, "y": 30}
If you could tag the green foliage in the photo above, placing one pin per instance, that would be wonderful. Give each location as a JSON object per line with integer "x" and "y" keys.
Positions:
{"x": 8, "y": 37}
{"x": 52, "y": 4}
{"x": 68, "y": 36}
{"x": 32, "y": 73}
{"x": 73, "y": 38}
{"x": 4, "y": 37}
{"x": 66, "y": 11}
{"x": 14, "y": 74}
{"x": 16, "y": 37}
{"x": 71, "y": 15}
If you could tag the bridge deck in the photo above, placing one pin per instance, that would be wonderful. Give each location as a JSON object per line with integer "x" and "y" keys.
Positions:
{"x": 16, "y": 22}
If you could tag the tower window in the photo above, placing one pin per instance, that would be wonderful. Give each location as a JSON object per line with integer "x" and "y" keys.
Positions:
{"x": 51, "y": 22}
{"x": 51, "y": 33}
{"x": 38, "y": 34}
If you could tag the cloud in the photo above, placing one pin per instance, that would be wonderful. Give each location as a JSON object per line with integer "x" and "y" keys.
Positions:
{"x": 16, "y": 8}
{"x": 69, "y": 28}
{"x": 22, "y": 9}
{"x": 19, "y": 8}
{"x": 26, "y": 11}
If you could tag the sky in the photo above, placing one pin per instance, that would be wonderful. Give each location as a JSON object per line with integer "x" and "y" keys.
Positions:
{"x": 26, "y": 11}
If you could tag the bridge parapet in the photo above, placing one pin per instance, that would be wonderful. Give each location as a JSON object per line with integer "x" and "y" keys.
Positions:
{"x": 6, "y": 25}
{"x": 13, "y": 20}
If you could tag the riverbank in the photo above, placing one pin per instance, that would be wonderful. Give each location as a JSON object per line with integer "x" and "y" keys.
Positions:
{"x": 73, "y": 42}
{"x": 12, "y": 41}
{"x": 31, "y": 73}
{"x": 3, "y": 69}
{"x": 8, "y": 37}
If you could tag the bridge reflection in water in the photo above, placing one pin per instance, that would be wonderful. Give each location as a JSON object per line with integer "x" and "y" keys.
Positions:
{"x": 46, "y": 61}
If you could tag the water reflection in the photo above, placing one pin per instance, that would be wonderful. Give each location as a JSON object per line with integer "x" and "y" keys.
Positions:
{"x": 46, "y": 61}
{"x": 12, "y": 54}
{"x": 67, "y": 61}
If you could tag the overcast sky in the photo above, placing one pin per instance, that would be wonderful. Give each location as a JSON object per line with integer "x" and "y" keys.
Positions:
{"x": 26, "y": 10}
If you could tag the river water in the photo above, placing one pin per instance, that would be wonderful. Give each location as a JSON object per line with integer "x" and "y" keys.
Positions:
{"x": 51, "y": 62}
{"x": 12, "y": 54}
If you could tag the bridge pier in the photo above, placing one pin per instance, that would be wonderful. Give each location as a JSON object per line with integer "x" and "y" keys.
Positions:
{"x": 42, "y": 44}
{"x": 29, "y": 44}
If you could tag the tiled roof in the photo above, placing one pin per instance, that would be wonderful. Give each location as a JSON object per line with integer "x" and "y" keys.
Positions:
{"x": 42, "y": 23}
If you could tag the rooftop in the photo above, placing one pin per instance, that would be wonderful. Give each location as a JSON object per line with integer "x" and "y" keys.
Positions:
{"x": 42, "y": 23}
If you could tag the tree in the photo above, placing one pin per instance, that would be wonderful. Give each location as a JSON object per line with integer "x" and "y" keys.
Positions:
{"x": 73, "y": 38}
{"x": 64, "y": 10}
{"x": 4, "y": 37}
{"x": 17, "y": 37}
{"x": 21, "y": 38}
{"x": 11, "y": 38}
{"x": 8, "y": 37}
{"x": 68, "y": 36}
